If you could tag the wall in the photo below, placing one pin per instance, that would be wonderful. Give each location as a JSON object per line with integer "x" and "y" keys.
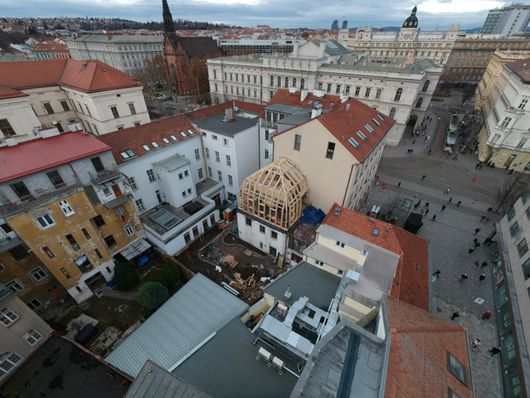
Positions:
{"x": 312, "y": 162}
{"x": 52, "y": 95}
{"x": 247, "y": 155}
{"x": 20, "y": 116}
{"x": 261, "y": 240}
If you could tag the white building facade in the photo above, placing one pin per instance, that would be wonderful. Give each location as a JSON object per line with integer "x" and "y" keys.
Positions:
{"x": 127, "y": 53}
{"x": 507, "y": 21}
{"x": 401, "y": 88}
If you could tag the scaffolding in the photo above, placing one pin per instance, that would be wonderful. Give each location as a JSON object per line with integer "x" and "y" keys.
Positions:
{"x": 274, "y": 193}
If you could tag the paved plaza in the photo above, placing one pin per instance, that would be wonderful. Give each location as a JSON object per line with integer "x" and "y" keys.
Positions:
{"x": 451, "y": 234}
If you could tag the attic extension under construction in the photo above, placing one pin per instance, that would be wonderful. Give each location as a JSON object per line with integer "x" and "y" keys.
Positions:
{"x": 269, "y": 203}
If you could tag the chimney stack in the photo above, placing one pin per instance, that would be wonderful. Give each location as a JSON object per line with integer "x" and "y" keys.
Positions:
{"x": 229, "y": 114}
{"x": 303, "y": 94}
{"x": 296, "y": 46}
{"x": 322, "y": 49}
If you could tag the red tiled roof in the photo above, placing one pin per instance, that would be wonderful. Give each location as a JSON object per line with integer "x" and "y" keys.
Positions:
{"x": 88, "y": 76}
{"x": 284, "y": 97}
{"x": 220, "y": 108}
{"x": 521, "y": 68}
{"x": 6, "y": 92}
{"x": 411, "y": 282}
{"x": 419, "y": 342}
{"x": 134, "y": 137}
{"x": 344, "y": 122}
{"x": 50, "y": 47}
{"x": 36, "y": 155}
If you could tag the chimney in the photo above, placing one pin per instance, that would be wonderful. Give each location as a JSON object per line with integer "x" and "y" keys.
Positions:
{"x": 315, "y": 112}
{"x": 347, "y": 106}
{"x": 322, "y": 49}
{"x": 229, "y": 114}
{"x": 296, "y": 46}
{"x": 303, "y": 94}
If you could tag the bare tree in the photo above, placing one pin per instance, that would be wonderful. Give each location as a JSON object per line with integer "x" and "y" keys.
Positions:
{"x": 508, "y": 193}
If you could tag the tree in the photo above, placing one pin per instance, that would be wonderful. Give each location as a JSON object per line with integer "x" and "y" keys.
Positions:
{"x": 152, "y": 295}
{"x": 125, "y": 277}
{"x": 508, "y": 193}
{"x": 168, "y": 275}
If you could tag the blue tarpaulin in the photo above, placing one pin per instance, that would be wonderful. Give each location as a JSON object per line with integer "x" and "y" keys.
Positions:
{"x": 312, "y": 216}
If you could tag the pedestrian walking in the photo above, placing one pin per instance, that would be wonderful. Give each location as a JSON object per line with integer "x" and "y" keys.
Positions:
{"x": 423, "y": 211}
{"x": 450, "y": 200}
{"x": 413, "y": 141}
{"x": 459, "y": 203}
{"x": 475, "y": 344}
{"x": 433, "y": 217}
{"x": 494, "y": 351}
{"x": 477, "y": 230}
{"x": 443, "y": 207}
{"x": 477, "y": 166}
{"x": 399, "y": 184}
{"x": 470, "y": 250}
{"x": 436, "y": 273}
{"x": 447, "y": 191}
{"x": 463, "y": 277}
{"x": 455, "y": 315}
{"x": 482, "y": 218}
{"x": 474, "y": 179}
{"x": 476, "y": 244}
{"x": 484, "y": 264}
{"x": 475, "y": 264}
{"x": 427, "y": 204}
{"x": 426, "y": 211}
{"x": 486, "y": 315}
{"x": 430, "y": 151}
{"x": 481, "y": 277}
{"x": 423, "y": 177}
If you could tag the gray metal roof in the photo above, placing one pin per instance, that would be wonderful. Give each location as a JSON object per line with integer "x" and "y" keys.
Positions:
{"x": 155, "y": 382}
{"x": 226, "y": 367}
{"x": 295, "y": 119}
{"x": 306, "y": 280}
{"x": 187, "y": 319}
{"x": 283, "y": 108}
{"x": 333, "y": 47}
{"x": 172, "y": 163}
{"x": 156, "y": 39}
{"x": 216, "y": 125}
{"x": 347, "y": 362}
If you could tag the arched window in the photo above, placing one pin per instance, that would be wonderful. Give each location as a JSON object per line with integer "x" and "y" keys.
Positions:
{"x": 419, "y": 102}
{"x": 231, "y": 89}
{"x": 248, "y": 92}
{"x": 286, "y": 83}
{"x": 392, "y": 113}
{"x": 279, "y": 81}
{"x": 272, "y": 81}
{"x": 302, "y": 84}
{"x": 255, "y": 93}
{"x": 294, "y": 81}
{"x": 425, "y": 86}
{"x": 399, "y": 91}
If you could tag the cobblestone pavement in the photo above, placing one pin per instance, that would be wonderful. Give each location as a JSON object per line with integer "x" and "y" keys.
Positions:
{"x": 450, "y": 235}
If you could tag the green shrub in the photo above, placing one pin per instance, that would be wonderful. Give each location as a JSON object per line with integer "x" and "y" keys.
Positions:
{"x": 151, "y": 295}
{"x": 125, "y": 277}
{"x": 168, "y": 275}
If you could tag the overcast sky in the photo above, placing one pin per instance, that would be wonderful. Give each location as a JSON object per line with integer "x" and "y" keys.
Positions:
{"x": 277, "y": 13}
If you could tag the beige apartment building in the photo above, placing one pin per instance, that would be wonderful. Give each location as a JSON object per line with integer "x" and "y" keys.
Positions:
{"x": 338, "y": 152}
{"x": 512, "y": 299}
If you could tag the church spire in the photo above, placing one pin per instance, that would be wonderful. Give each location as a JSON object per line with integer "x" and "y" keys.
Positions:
{"x": 169, "y": 26}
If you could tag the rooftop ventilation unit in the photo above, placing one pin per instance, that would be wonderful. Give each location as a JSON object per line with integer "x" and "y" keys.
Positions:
{"x": 375, "y": 232}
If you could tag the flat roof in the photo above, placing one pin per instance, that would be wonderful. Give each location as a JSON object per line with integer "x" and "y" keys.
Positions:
{"x": 216, "y": 125}
{"x": 188, "y": 318}
{"x": 226, "y": 367}
{"x": 61, "y": 369}
{"x": 307, "y": 280}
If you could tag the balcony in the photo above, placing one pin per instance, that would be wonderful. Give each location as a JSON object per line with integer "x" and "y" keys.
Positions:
{"x": 105, "y": 175}
{"x": 118, "y": 201}
{"x": 83, "y": 264}
{"x": 8, "y": 243}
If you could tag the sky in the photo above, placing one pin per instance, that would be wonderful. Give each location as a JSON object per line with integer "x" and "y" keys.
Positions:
{"x": 276, "y": 13}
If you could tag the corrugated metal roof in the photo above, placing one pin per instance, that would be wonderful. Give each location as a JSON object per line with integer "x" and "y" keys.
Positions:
{"x": 191, "y": 315}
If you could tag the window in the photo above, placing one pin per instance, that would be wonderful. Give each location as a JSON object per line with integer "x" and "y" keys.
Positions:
{"x": 425, "y": 86}
{"x": 506, "y": 122}
{"x": 399, "y": 92}
{"x": 66, "y": 208}
{"x": 378, "y": 93}
{"x": 219, "y": 175}
{"x": 328, "y": 89}
{"x": 15, "y": 286}
{"x": 199, "y": 173}
{"x": 151, "y": 175}
{"x": 515, "y": 229}
{"x": 114, "y": 111}
{"x": 207, "y": 152}
{"x": 155, "y": 145}
{"x": 302, "y": 84}
{"x": 7, "y": 317}
{"x": 48, "y": 108}
{"x": 272, "y": 81}
{"x": 85, "y": 233}
{"x": 209, "y": 171}
{"x": 262, "y": 229}
{"x": 522, "y": 247}
{"x": 8, "y": 361}
{"x": 266, "y": 153}
{"x": 274, "y": 235}
{"x": 48, "y": 252}
{"x": 132, "y": 184}
{"x": 225, "y": 141}
{"x": 55, "y": 179}
{"x": 330, "y": 150}
{"x": 129, "y": 230}
{"x": 65, "y": 106}
{"x": 392, "y": 113}
{"x": 522, "y": 142}
{"x": 6, "y": 228}
{"x": 228, "y": 161}
{"x": 526, "y": 268}
{"x": 98, "y": 164}
{"x": 88, "y": 111}
{"x": 367, "y": 92}
{"x": 419, "y": 102}
{"x": 286, "y": 82}
{"x": 523, "y": 103}
{"x": 217, "y": 157}
{"x": 337, "y": 89}
{"x": 70, "y": 238}
{"x": 357, "y": 91}
{"x": 140, "y": 205}
{"x": 45, "y": 221}
{"x": 132, "y": 108}
{"x": 297, "y": 142}
{"x": 6, "y": 129}
{"x": 110, "y": 241}
{"x": 34, "y": 303}
{"x": 197, "y": 154}
{"x": 99, "y": 221}
{"x": 248, "y": 221}
{"x": 21, "y": 190}
{"x": 511, "y": 214}
{"x": 32, "y": 337}
{"x": 347, "y": 89}
{"x": 340, "y": 244}
{"x": 38, "y": 274}
{"x": 19, "y": 252}
{"x": 230, "y": 180}
{"x": 146, "y": 147}
{"x": 456, "y": 368}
